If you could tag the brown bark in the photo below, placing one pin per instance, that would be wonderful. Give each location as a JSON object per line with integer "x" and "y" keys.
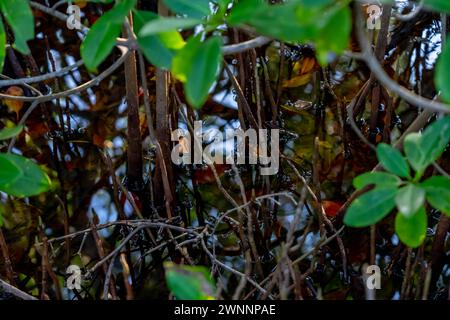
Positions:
{"x": 134, "y": 152}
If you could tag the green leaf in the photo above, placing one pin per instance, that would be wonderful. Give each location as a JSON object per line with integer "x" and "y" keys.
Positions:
{"x": 30, "y": 181}
{"x": 412, "y": 230}
{"x": 9, "y": 172}
{"x": 2, "y": 45}
{"x": 189, "y": 282}
{"x": 7, "y": 133}
{"x": 99, "y": 42}
{"x": 371, "y": 207}
{"x": 422, "y": 149}
{"x": 161, "y": 48}
{"x": 379, "y": 179}
{"x": 197, "y": 65}
{"x": 191, "y": 8}
{"x": 438, "y": 5}
{"x": 413, "y": 153}
{"x": 279, "y": 21}
{"x": 437, "y": 191}
{"x": 223, "y": 4}
{"x": 20, "y": 18}
{"x": 392, "y": 160}
{"x": 324, "y": 23}
{"x": 101, "y": 38}
{"x": 409, "y": 199}
{"x": 141, "y": 17}
{"x": 242, "y": 11}
{"x": 330, "y": 41}
{"x": 442, "y": 76}
{"x": 435, "y": 139}
{"x": 167, "y": 24}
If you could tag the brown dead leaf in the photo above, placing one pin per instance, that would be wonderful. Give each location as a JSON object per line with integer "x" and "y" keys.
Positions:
{"x": 302, "y": 72}
{"x": 14, "y": 105}
{"x": 308, "y": 65}
{"x": 297, "y": 81}
{"x": 98, "y": 140}
{"x": 81, "y": 4}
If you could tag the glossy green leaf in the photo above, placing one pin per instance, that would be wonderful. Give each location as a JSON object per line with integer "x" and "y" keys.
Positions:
{"x": 191, "y": 8}
{"x": 442, "y": 74}
{"x": 8, "y": 133}
{"x": 102, "y": 36}
{"x": 379, "y": 179}
{"x": 413, "y": 153}
{"x": 438, "y": 5}
{"x": 20, "y": 18}
{"x": 329, "y": 41}
{"x": 409, "y": 199}
{"x": 325, "y": 24}
{"x": 9, "y": 171}
{"x": 189, "y": 282}
{"x": 422, "y": 149}
{"x": 30, "y": 181}
{"x": 371, "y": 207}
{"x": 284, "y": 23}
{"x": 2, "y": 45}
{"x": 197, "y": 65}
{"x": 141, "y": 17}
{"x": 242, "y": 10}
{"x": 167, "y": 24}
{"x": 435, "y": 138}
{"x": 392, "y": 160}
{"x": 412, "y": 230}
{"x": 223, "y": 4}
{"x": 437, "y": 191}
{"x": 161, "y": 48}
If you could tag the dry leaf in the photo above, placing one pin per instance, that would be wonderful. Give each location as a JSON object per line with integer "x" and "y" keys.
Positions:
{"x": 297, "y": 81}
{"x": 308, "y": 65}
{"x": 14, "y": 105}
{"x": 81, "y": 4}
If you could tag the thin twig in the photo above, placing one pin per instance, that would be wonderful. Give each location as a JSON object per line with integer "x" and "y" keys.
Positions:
{"x": 6, "y": 287}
